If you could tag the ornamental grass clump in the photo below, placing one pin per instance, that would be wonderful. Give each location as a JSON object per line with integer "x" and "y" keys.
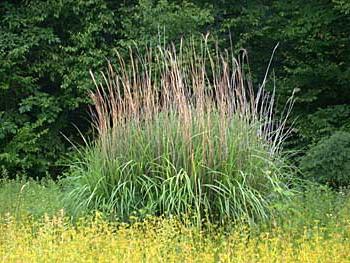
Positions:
{"x": 181, "y": 132}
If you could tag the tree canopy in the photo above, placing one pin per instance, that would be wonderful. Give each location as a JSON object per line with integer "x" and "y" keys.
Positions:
{"x": 48, "y": 47}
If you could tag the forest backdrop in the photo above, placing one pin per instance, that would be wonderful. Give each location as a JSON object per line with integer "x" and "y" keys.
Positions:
{"x": 48, "y": 47}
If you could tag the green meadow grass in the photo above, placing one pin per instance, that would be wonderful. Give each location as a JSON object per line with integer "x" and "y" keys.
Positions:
{"x": 22, "y": 197}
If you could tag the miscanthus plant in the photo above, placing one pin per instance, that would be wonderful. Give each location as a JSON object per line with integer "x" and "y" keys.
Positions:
{"x": 181, "y": 132}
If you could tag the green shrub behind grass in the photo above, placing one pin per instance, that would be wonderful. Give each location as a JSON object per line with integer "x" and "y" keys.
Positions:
{"x": 329, "y": 161}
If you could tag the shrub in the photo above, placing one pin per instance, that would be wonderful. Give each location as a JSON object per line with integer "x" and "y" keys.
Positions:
{"x": 328, "y": 162}
{"x": 181, "y": 132}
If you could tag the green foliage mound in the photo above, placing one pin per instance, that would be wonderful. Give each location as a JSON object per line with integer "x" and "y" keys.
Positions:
{"x": 328, "y": 162}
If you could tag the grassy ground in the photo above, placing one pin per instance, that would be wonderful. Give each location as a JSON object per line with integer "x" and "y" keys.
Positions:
{"x": 314, "y": 227}
{"x": 22, "y": 197}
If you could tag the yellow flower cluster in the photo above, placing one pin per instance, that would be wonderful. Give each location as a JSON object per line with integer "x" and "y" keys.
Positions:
{"x": 56, "y": 239}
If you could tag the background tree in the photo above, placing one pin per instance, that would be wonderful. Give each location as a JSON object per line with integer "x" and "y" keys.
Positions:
{"x": 313, "y": 58}
{"x": 47, "y": 48}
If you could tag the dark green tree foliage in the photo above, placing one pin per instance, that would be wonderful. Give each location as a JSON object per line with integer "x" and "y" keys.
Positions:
{"x": 48, "y": 47}
{"x": 150, "y": 23}
{"x": 46, "y": 50}
{"x": 312, "y": 60}
{"x": 329, "y": 161}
